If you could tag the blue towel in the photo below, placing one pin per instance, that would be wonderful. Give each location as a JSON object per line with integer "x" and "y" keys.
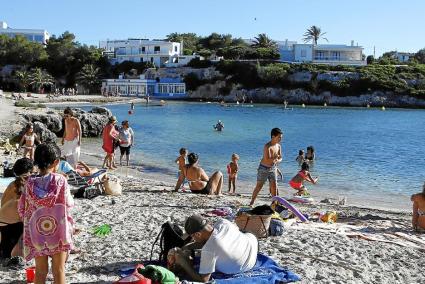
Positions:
{"x": 266, "y": 271}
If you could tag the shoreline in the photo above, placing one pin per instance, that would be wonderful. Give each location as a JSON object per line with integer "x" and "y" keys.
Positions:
{"x": 365, "y": 245}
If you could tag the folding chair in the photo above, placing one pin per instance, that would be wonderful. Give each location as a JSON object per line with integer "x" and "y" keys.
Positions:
{"x": 86, "y": 187}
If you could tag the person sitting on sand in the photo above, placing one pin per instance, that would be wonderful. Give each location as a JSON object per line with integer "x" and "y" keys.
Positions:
{"x": 418, "y": 216}
{"x": 224, "y": 248}
{"x": 28, "y": 141}
{"x": 300, "y": 158}
{"x": 232, "y": 171}
{"x": 110, "y": 137}
{"x": 267, "y": 170}
{"x": 198, "y": 179}
{"x": 11, "y": 226}
{"x": 181, "y": 160}
{"x": 297, "y": 182}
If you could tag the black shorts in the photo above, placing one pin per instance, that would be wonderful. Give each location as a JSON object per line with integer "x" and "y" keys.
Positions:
{"x": 125, "y": 150}
{"x": 10, "y": 235}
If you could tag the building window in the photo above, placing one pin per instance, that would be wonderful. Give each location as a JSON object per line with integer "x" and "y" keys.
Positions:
{"x": 336, "y": 55}
{"x": 303, "y": 53}
{"x": 156, "y": 49}
{"x": 175, "y": 48}
{"x": 143, "y": 49}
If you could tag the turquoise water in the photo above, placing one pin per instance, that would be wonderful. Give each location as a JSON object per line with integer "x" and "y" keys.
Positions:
{"x": 358, "y": 150}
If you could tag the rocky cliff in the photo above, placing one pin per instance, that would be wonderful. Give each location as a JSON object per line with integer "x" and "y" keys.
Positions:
{"x": 48, "y": 124}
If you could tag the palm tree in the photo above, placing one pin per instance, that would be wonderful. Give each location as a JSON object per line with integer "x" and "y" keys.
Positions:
{"x": 88, "y": 76}
{"x": 262, "y": 40}
{"x": 24, "y": 78}
{"x": 40, "y": 78}
{"x": 313, "y": 34}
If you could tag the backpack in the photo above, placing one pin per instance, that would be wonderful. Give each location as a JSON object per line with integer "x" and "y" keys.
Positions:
{"x": 170, "y": 236}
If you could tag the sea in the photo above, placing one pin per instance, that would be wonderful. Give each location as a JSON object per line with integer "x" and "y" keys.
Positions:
{"x": 369, "y": 155}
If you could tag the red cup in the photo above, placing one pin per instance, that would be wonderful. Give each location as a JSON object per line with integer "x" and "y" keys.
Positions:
{"x": 30, "y": 274}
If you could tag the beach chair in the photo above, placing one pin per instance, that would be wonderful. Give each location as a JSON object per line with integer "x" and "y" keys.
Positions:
{"x": 86, "y": 187}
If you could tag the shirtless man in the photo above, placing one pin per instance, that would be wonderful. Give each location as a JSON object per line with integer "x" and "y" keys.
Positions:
{"x": 71, "y": 140}
{"x": 267, "y": 170}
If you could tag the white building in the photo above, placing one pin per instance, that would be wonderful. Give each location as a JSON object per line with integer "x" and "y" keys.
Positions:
{"x": 331, "y": 54}
{"x": 403, "y": 56}
{"x": 163, "y": 88}
{"x": 40, "y": 36}
{"x": 160, "y": 52}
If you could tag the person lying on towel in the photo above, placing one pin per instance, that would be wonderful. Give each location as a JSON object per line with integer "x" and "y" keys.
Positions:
{"x": 223, "y": 248}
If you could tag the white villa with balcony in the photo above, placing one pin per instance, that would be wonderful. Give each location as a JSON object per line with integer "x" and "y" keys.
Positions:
{"x": 160, "y": 52}
{"x": 332, "y": 54}
{"x": 40, "y": 36}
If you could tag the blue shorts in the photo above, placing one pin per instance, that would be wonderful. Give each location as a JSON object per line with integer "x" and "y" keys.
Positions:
{"x": 266, "y": 173}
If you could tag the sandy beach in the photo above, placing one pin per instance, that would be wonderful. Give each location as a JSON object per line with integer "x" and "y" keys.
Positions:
{"x": 364, "y": 246}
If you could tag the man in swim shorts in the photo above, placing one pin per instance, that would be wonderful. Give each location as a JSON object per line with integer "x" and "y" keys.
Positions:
{"x": 267, "y": 170}
{"x": 71, "y": 140}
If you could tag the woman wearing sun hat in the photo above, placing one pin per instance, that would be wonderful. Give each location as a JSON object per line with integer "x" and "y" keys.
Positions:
{"x": 110, "y": 138}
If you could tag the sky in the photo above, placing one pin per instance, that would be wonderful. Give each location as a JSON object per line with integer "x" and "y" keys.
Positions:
{"x": 384, "y": 24}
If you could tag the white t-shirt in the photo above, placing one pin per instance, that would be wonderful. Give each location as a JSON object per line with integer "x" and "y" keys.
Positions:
{"x": 228, "y": 250}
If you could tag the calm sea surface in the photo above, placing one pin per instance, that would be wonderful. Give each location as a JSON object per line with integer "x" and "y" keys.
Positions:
{"x": 359, "y": 151}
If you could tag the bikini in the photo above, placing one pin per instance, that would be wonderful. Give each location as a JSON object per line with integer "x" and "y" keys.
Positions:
{"x": 421, "y": 213}
{"x": 29, "y": 138}
{"x": 297, "y": 185}
{"x": 205, "y": 190}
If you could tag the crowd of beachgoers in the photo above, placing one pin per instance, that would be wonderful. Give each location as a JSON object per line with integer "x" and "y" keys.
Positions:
{"x": 93, "y": 239}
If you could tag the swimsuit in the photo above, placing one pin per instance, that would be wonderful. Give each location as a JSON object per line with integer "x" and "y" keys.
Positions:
{"x": 421, "y": 213}
{"x": 297, "y": 185}
{"x": 31, "y": 139}
{"x": 266, "y": 173}
{"x": 205, "y": 190}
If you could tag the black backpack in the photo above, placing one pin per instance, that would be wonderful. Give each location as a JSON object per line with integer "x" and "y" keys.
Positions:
{"x": 170, "y": 236}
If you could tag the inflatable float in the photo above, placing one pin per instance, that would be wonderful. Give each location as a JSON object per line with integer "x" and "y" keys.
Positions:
{"x": 301, "y": 199}
{"x": 288, "y": 205}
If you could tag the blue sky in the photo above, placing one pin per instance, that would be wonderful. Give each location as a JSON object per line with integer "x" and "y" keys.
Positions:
{"x": 385, "y": 24}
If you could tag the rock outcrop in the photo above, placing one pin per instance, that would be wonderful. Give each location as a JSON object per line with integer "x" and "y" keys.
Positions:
{"x": 49, "y": 125}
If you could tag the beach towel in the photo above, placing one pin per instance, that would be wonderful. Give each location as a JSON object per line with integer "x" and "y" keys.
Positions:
{"x": 265, "y": 271}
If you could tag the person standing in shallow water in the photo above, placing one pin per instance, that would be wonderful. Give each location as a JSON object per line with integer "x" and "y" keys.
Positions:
{"x": 110, "y": 137}
{"x": 267, "y": 170}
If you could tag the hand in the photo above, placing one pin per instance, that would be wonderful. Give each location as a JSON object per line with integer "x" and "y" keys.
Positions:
{"x": 63, "y": 141}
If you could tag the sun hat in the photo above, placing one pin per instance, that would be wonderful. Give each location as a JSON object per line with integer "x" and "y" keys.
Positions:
{"x": 194, "y": 224}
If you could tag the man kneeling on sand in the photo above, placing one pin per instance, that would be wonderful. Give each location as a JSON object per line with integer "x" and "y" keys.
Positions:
{"x": 223, "y": 248}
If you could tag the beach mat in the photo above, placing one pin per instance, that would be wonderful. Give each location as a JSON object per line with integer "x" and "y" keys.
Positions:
{"x": 265, "y": 271}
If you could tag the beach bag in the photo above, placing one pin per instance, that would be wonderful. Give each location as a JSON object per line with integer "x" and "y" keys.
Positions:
{"x": 90, "y": 191}
{"x": 277, "y": 227}
{"x": 256, "y": 221}
{"x": 8, "y": 170}
{"x": 170, "y": 236}
{"x": 112, "y": 185}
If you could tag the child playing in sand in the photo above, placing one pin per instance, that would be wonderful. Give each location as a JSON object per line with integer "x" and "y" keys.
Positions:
{"x": 267, "y": 170}
{"x": 297, "y": 182}
{"x": 28, "y": 141}
{"x": 181, "y": 160}
{"x": 232, "y": 171}
{"x": 44, "y": 208}
{"x": 300, "y": 158}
